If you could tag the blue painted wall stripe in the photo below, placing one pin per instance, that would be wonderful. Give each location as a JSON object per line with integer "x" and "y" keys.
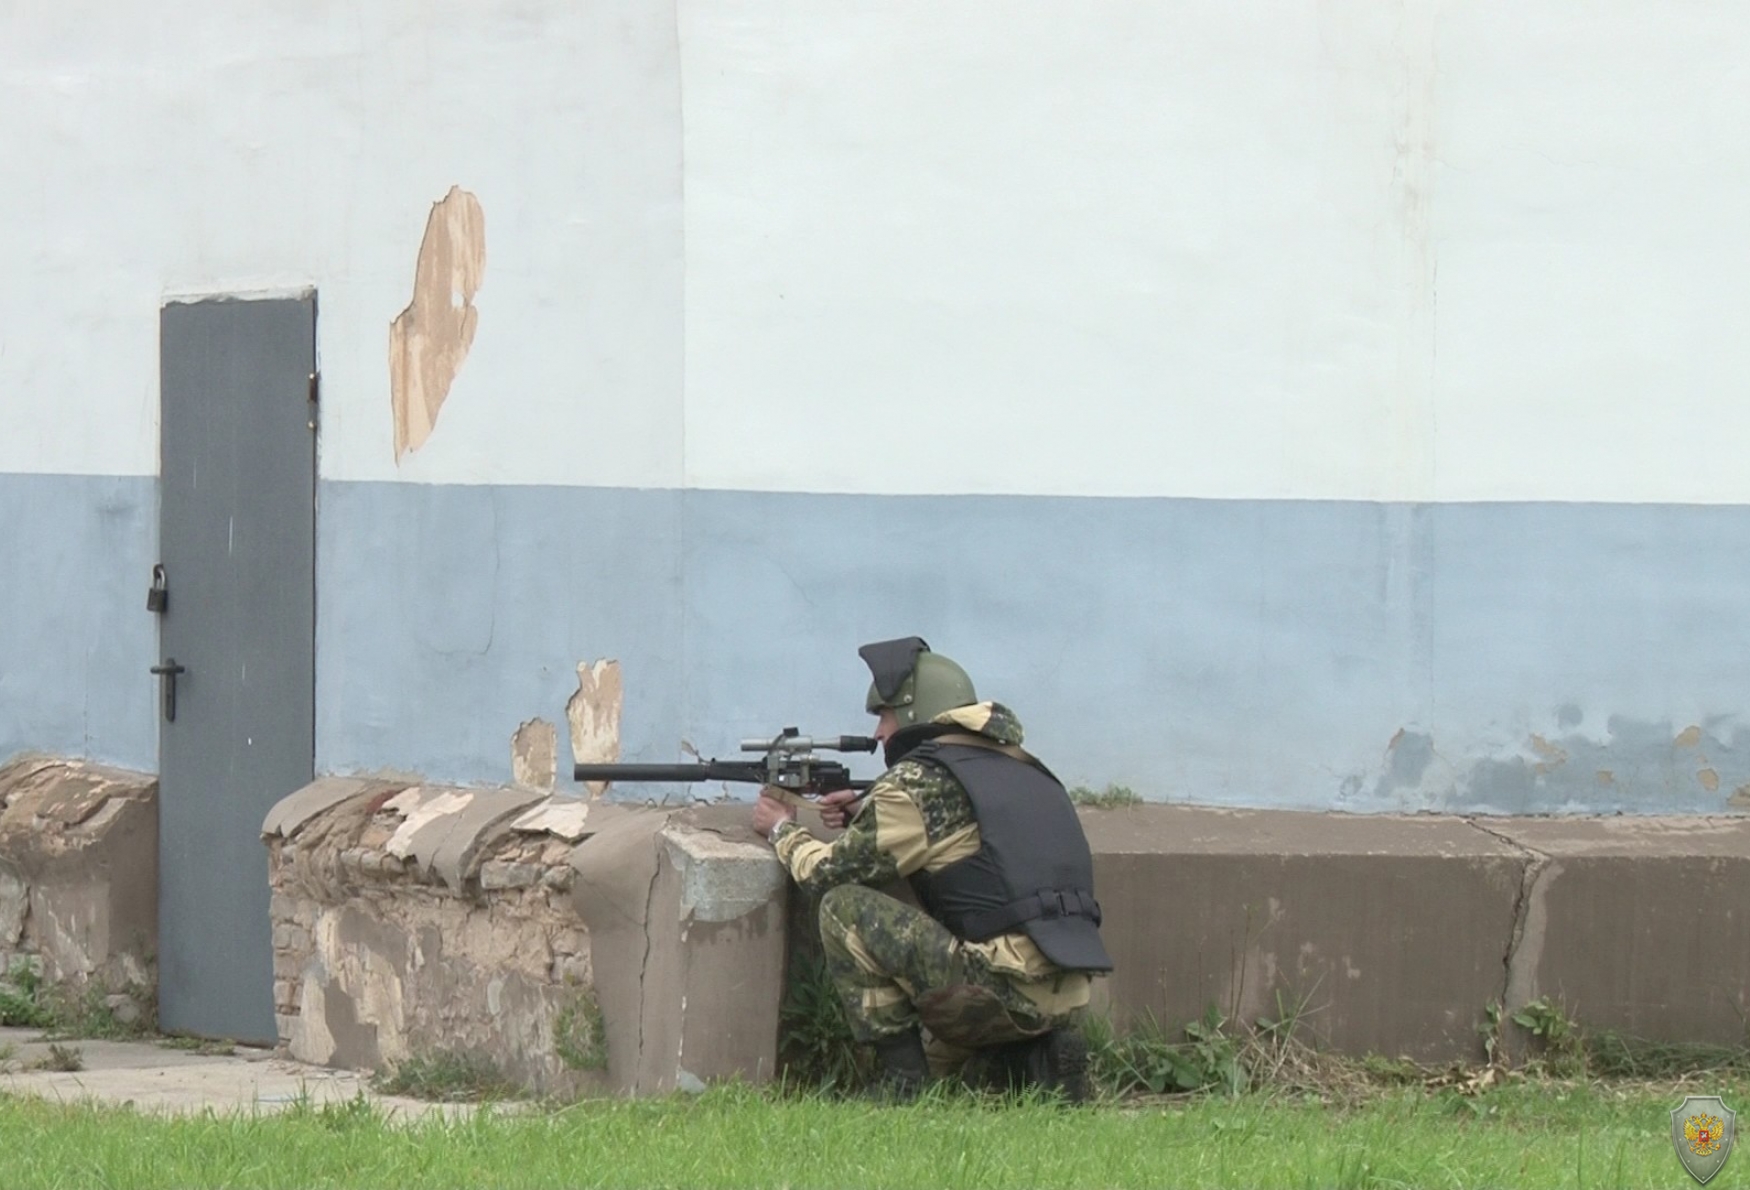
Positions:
{"x": 75, "y": 636}
{"x": 1502, "y": 657}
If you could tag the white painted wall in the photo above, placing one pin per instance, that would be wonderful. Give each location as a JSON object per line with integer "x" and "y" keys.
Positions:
{"x": 1244, "y": 248}
{"x": 220, "y": 145}
{"x": 1227, "y": 248}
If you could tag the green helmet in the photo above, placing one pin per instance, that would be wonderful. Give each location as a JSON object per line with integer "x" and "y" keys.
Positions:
{"x": 916, "y": 684}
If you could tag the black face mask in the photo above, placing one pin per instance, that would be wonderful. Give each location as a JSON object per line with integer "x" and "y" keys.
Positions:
{"x": 907, "y": 738}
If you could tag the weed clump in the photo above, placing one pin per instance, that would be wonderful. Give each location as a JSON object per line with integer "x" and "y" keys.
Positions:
{"x": 447, "y": 1076}
{"x": 29, "y": 1001}
{"x": 341, "y": 1115}
{"x": 579, "y": 1036}
{"x": 65, "y": 1058}
{"x": 817, "y": 1050}
{"x": 206, "y": 1046}
{"x": 1561, "y": 1047}
{"x": 1112, "y": 797}
{"x": 1148, "y": 1059}
{"x": 21, "y": 999}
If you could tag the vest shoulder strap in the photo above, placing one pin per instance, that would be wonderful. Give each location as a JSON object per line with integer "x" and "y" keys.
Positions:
{"x": 970, "y": 740}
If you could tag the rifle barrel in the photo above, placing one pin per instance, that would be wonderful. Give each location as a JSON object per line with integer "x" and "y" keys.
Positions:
{"x": 641, "y": 772}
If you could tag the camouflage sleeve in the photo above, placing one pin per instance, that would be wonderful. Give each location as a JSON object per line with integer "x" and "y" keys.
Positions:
{"x": 884, "y": 841}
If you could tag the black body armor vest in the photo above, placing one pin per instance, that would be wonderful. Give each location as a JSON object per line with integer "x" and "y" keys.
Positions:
{"x": 1032, "y": 871}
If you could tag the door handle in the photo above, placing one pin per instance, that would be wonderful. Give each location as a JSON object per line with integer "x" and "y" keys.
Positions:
{"x": 167, "y": 671}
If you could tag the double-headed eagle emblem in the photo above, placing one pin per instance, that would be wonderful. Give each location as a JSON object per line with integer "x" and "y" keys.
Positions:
{"x": 1701, "y": 1132}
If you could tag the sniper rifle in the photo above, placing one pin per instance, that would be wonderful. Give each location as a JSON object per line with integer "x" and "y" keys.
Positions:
{"x": 789, "y": 764}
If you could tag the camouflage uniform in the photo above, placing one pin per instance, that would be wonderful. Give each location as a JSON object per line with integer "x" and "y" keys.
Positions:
{"x": 895, "y": 966}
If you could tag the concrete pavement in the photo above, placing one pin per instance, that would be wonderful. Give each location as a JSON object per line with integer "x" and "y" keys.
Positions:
{"x": 155, "y": 1077}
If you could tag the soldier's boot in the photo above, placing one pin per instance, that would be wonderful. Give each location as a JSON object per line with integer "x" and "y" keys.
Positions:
{"x": 904, "y": 1069}
{"x": 1055, "y": 1062}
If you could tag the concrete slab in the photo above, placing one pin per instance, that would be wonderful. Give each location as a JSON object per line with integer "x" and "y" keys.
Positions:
{"x": 445, "y": 828}
{"x": 614, "y": 894}
{"x": 1636, "y": 924}
{"x": 1203, "y": 830}
{"x": 1393, "y": 931}
{"x": 1623, "y": 835}
{"x": 321, "y": 795}
{"x": 475, "y": 825}
{"x": 152, "y": 1077}
{"x": 562, "y": 817}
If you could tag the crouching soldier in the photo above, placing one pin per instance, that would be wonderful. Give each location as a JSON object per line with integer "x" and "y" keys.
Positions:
{"x": 999, "y": 962}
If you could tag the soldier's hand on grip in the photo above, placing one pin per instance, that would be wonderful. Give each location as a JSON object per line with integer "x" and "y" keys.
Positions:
{"x": 772, "y": 808}
{"x": 837, "y": 807}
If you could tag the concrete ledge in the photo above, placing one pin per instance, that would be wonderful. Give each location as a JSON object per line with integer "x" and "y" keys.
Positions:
{"x": 1636, "y": 924}
{"x": 1397, "y": 931}
{"x": 79, "y": 871}
{"x": 686, "y": 911}
{"x": 414, "y": 918}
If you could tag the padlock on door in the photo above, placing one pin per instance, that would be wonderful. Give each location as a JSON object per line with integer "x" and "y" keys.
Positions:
{"x": 158, "y": 595}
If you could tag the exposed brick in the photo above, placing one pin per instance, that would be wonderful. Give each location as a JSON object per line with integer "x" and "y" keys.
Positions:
{"x": 497, "y": 874}
{"x": 291, "y": 938}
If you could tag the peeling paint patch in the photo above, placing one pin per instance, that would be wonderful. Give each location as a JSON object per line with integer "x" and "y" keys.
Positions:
{"x": 430, "y": 338}
{"x": 310, "y": 1038}
{"x": 14, "y": 905}
{"x": 1408, "y": 755}
{"x": 1626, "y": 767}
{"x": 1549, "y": 756}
{"x": 534, "y": 755}
{"x": 594, "y": 715}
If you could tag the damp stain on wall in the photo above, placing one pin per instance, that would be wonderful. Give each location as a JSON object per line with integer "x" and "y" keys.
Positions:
{"x": 429, "y": 340}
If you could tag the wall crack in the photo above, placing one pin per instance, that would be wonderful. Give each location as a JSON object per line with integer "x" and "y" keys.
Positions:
{"x": 644, "y": 963}
{"x": 1525, "y": 943}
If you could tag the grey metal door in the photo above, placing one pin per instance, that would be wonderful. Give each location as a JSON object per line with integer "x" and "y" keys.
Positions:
{"x": 236, "y": 679}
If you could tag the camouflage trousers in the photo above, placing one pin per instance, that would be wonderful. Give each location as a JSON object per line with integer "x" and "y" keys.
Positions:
{"x": 896, "y": 967}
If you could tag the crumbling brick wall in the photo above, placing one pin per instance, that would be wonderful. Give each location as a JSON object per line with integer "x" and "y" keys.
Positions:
{"x": 575, "y": 945}
{"x": 410, "y": 921}
{"x": 79, "y": 872}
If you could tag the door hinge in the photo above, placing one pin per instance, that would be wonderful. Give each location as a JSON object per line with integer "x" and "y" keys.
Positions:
{"x": 315, "y": 396}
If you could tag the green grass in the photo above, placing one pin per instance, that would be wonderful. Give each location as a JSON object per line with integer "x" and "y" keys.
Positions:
{"x": 1538, "y": 1133}
{"x": 1113, "y": 797}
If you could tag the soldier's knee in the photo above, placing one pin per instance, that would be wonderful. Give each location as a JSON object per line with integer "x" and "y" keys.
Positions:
{"x": 838, "y": 909}
{"x": 844, "y": 907}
